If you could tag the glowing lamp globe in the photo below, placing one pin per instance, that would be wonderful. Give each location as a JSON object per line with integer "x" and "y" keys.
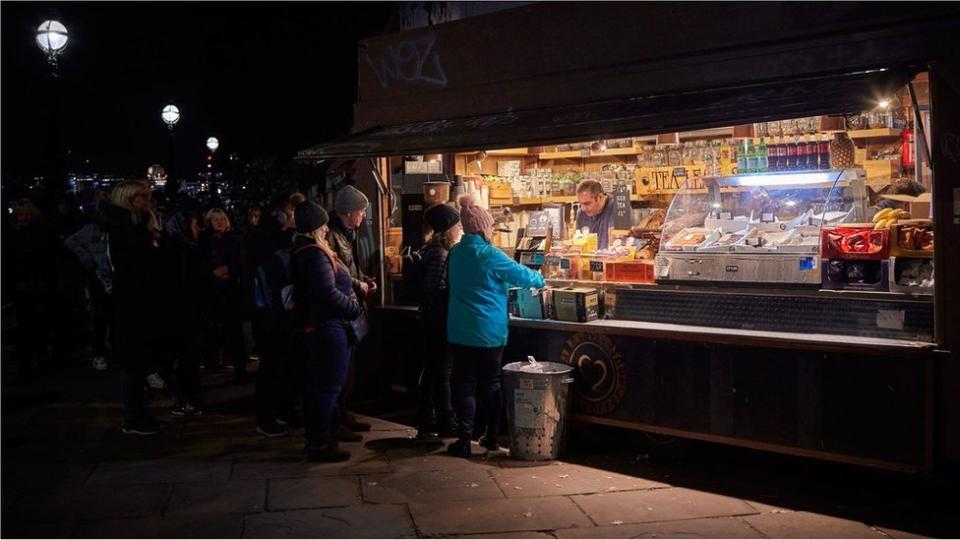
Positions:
{"x": 213, "y": 144}
{"x": 52, "y": 38}
{"x": 170, "y": 115}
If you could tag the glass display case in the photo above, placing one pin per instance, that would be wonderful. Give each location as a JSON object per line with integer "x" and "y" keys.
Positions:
{"x": 760, "y": 228}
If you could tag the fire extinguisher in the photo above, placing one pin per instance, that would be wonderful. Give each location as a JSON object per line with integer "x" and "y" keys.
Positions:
{"x": 907, "y": 150}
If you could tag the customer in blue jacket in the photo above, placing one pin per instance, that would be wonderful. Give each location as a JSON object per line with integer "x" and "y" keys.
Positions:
{"x": 479, "y": 275}
{"x": 324, "y": 301}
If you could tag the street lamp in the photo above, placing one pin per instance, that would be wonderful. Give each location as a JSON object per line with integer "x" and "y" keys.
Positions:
{"x": 213, "y": 144}
{"x": 170, "y": 116}
{"x": 52, "y": 39}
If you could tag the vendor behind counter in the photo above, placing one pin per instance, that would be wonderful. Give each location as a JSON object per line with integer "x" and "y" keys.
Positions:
{"x": 596, "y": 211}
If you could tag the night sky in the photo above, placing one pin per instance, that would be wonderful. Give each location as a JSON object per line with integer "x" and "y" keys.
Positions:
{"x": 265, "y": 78}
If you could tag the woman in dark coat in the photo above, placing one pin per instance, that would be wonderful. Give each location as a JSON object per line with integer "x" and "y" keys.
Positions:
{"x": 324, "y": 303}
{"x": 436, "y": 409}
{"x": 226, "y": 261}
{"x": 135, "y": 257}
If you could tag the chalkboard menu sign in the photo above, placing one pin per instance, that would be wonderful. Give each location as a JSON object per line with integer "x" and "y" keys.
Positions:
{"x": 622, "y": 214}
{"x": 538, "y": 225}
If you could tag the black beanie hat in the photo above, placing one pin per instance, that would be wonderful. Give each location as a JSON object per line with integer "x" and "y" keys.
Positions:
{"x": 309, "y": 217}
{"x": 441, "y": 217}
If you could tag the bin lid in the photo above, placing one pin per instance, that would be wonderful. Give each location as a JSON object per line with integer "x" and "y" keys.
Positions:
{"x": 543, "y": 368}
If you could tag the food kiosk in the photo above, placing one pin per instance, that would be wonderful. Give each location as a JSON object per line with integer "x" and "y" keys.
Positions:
{"x": 759, "y": 291}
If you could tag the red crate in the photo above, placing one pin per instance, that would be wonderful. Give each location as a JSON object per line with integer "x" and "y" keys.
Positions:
{"x": 630, "y": 272}
{"x": 842, "y": 242}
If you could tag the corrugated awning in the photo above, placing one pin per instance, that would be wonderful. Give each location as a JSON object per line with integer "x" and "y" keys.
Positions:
{"x": 809, "y": 96}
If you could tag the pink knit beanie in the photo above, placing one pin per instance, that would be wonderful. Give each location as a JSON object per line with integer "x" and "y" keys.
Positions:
{"x": 473, "y": 218}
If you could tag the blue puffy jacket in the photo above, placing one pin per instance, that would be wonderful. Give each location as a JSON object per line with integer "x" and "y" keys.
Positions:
{"x": 480, "y": 276}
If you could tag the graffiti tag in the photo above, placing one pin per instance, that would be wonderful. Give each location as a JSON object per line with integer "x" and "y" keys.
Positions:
{"x": 412, "y": 60}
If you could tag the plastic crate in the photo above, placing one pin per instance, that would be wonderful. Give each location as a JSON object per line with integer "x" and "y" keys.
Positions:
{"x": 878, "y": 242}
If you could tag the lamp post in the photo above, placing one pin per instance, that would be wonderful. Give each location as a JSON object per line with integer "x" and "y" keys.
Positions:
{"x": 171, "y": 117}
{"x": 52, "y": 39}
{"x": 212, "y": 144}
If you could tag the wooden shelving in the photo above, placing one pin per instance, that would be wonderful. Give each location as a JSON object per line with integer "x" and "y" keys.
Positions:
{"x": 560, "y": 199}
{"x": 588, "y": 154}
{"x": 510, "y": 152}
{"x": 874, "y": 133}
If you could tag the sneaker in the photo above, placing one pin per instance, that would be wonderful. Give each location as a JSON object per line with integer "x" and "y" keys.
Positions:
{"x": 186, "y": 410}
{"x": 490, "y": 443}
{"x": 427, "y": 435}
{"x": 330, "y": 454}
{"x": 155, "y": 381}
{"x": 460, "y": 448}
{"x": 142, "y": 428}
{"x": 351, "y": 422}
{"x": 99, "y": 363}
{"x": 345, "y": 435}
{"x": 272, "y": 430}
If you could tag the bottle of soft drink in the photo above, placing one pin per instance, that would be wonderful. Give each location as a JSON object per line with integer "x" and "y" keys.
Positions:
{"x": 779, "y": 155}
{"x": 763, "y": 158}
{"x": 801, "y": 161}
{"x": 813, "y": 152}
{"x": 790, "y": 163}
{"x": 742, "y": 163}
{"x": 726, "y": 164}
{"x": 753, "y": 163}
{"x": 824, "y": 152}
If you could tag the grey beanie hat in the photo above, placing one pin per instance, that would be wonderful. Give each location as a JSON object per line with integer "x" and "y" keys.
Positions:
{"x": 350, "y": 199}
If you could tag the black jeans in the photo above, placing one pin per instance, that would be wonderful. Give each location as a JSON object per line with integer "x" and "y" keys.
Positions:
{"x": 187, "y": 380}
{"x": 436, "y": 403}
{"x": 272, "y": 388}
{"x": 326, "y": 354}
{"x": 476, "y": 373}
{"x": 226, "y": 332}
{"x": 100, "y": 305}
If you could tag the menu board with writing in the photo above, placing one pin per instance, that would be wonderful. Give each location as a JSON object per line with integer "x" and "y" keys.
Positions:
{"x": 538, "y": 225}
{"x": 622, "y": 214}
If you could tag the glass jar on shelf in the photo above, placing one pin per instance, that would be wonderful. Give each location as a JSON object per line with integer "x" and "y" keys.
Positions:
{"x": 674, "y": 155}
{"x": 686, "y": 153}
{"x": 659, "y": 156}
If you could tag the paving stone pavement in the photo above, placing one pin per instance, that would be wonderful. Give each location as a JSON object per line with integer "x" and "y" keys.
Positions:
{"x": 213, "y": 477}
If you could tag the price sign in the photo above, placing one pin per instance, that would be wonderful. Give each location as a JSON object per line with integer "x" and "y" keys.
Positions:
{"x": 596, "y": 266}
{"x": 538, "y": 225}
{"x": 622, "y": 213}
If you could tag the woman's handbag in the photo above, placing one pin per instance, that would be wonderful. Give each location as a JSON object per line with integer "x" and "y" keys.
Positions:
{"x": 358, "y": 328}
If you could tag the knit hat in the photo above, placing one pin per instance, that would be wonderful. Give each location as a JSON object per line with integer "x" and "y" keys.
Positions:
{"x": 309, "y": 217}
{"x": 474, "y": 218}
{"x": 441, "y": 217}
{"x": 350, "y": 199}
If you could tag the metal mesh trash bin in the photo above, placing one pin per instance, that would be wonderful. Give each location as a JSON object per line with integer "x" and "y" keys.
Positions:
{"x": 536, "y": 395}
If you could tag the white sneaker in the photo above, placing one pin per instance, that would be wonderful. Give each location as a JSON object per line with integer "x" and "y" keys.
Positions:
{"x": 99, "y": 363}
{"x": 155, "y": 381}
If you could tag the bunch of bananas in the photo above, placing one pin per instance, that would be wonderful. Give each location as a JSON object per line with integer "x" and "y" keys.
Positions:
{"x": 889, "y": 216}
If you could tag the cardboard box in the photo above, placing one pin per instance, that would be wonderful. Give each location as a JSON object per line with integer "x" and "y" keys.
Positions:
{"x": 525, "y": 304}
{"x": 919, "y": 206}
{"x": 576, "y": 305}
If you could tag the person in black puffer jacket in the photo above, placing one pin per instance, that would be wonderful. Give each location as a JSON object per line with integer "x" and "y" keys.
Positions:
{"x": 324, "y": 301}
{"x": 436, "y": 409}
{"x": 135, "y": 256}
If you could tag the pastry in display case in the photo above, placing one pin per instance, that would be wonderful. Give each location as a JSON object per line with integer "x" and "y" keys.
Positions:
{"x": 757, "y": 228}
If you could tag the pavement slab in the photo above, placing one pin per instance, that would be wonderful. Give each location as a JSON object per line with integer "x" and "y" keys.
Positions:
{"x": 62, "y": 529}
{"x": 436, "y": 459}
{"x": 44, "y": 476}
{"x": 429, "y": 485}
{"x": 659, "y": 505}
{"x": 362, "y": 461}
{"x": 156, "y": 471}
{"x": 497, "y": 516}
{"x": 724, "y": 527}
{"x": 89, "y": 502}
{"x": 208, "y": 526}
{"x": 533, "y": 535}
{"x": 358, "y": 521}
{"x": 809, "y": 525}
{"x": 566, "y": 480}
{"x": 226, "y": 497}
{"x": 313, "y": 492}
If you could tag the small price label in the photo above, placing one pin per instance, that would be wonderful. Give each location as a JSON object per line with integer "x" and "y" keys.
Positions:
{"x": 596, "y": 266}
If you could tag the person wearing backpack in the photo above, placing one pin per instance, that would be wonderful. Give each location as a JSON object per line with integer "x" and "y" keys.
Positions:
{"x": 324, "y": 303}
{"x": 272, "y": 332}
{"x": 436, "y": 409}
{"x": 479, "y": 276}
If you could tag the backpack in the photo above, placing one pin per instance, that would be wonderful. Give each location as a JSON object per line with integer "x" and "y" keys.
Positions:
{"x": 412, "y": 270}
{"x": 273, "y": 287}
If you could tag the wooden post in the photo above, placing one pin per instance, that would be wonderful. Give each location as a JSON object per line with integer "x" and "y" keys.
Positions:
{"x": 945, "y": 131}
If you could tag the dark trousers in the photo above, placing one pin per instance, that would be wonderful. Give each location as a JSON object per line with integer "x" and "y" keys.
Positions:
{"x": 101, "y": 310}
{"x": 272, "y": 388}
{"x": 436, "y": 403}
{"x": 476, "y": 374}
{"x": 187, "y": 381}
{"x": 226, "y": 332}
{"x": 326, "y": 359}
{"x": 130, "y": 351}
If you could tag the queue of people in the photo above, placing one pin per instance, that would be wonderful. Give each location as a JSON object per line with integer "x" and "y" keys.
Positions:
{"x": 170, "y": 290}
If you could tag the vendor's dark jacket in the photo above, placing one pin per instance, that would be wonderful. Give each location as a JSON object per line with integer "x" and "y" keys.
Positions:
{"x": 343, "y": 242}
{"x": 137, "y": 265}
{"x": 226, "y": 250}
{"x": 434, "y": 295}
{"x": 322, "y": 294}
